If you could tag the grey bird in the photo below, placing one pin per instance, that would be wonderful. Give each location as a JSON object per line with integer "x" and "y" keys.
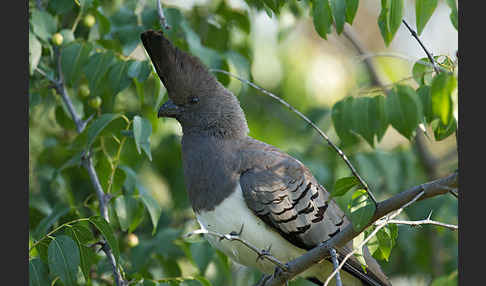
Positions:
{"x": 235, "y": 182}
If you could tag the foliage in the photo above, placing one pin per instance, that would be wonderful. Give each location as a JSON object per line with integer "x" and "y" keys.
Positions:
{"x": 114, "y": 89}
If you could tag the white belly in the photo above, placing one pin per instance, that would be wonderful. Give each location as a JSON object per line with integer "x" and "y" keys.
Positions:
{"x": 230, "y": 215}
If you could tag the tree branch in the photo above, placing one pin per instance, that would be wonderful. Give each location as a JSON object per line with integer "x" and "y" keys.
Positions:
{"x": 399, "y": 201}
{"x": 162, "y": 19}
{"x": 87, "y": 161}
{"x": 321, "y": 133}
{"x": 429, "y": 55}
{"x": 233, "y": 236}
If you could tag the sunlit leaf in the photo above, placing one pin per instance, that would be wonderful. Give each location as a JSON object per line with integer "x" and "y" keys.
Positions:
{"x": 142, "y": 129}
{"x": 441, "y": 90}
{"x": 343, "y": 185}
{"x": 322, "y": 17}
{"x": 423, "y": 11}
{"x": 361, "y": 209}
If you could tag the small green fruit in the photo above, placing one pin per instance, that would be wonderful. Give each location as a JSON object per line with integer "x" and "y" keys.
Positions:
{"x": 57, "y": 39}
{"x": 132, "y": 240}
{"x": 89, "y": 20}
{"x": 84, "y": 90}
{"x": 95, "y": 102}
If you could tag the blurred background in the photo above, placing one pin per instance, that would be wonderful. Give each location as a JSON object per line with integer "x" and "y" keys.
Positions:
{"x": 286, "y": 56}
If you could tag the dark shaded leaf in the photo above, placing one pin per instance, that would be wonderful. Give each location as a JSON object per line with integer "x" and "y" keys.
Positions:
{"x": 129, "y": 212}
{"x": 404, "y": 110}
{"x": 142, "y": 129}
{"x": 43, "y": 24}
{"x": 64, "y": 259}
{"x": 81, "y": 235}
{"x": 38, "y": 273}
{"x": 74, "y": 57}
{"x": 59, "y": 211}
{"x": 95, "y": 70}
{"x": 104, "y": 227}
{"x": 35, "y": 52}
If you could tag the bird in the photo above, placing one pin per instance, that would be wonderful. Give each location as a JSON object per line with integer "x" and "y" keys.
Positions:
{"x": 238, "y": 184}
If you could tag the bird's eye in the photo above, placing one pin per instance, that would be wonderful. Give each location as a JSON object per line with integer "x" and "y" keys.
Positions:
{"x": 194, "y": 100}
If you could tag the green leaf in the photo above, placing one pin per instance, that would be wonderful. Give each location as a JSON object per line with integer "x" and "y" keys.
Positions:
{"x": 104, "y": 227}
{"x": 59, "y": 211}
{"x": 96, "y": 68}
{"x": 341, "y": 117}
{"x": 60, "y": 6}
{"x": 152, "y": 206}
{"x": 351, "y": 9}
{"x": 379, "y": 122}
{"x": 361, "y": 209}
{"x": 81, "y": 235}
{"x": 118, "y": 78}
{"x": 202, "y": 253}
{"x": 97, "y": 126}
{"x": 442, "y": 131}
{"x": 67, "y": 35}
{"x": 104, "y": 25}
{"x": 403, "y": 110}
{"x": 343, "y": 185}
{"x": 322, "y": 17}
{"x": 390, "y": 19}
{"x": 64, "y": 259}
{"x": 441, "y": 90}
{"x": 396, "y": 15}
{"x": 362, "y": 118}
{"x": 423, "y": 93}
{"x": 446, "y": 280}
{"x": 386, "y": 239}
{"x": 129, "y": 212}
{"x": 421, "y": 72}
{"x": 453, "y": 16}
{"x": 142, "y": 129}
{"x": 423, "y": 10}
{"x": 383, "y": 23}
{"x": 74, "y": 57}
{"x": 43, "y": 24}
{"x": 35, "y": 52}
{"x": 38, "y": 273}
{"x": 139, "y": 70}
{"x": 104, "y": 170}
{"x": 338, "y": 8}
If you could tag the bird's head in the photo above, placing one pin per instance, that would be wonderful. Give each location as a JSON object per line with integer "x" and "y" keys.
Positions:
{"x": 196, "y": 99}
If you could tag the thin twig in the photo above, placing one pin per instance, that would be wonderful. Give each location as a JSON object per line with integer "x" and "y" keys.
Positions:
{"x": 429, "y": 55}
{"x": 162, "y": 19}
{"x": 424, "y": 221}
{"x": 236, "y": 237}
{"x": 323, "y": 135}
{"x": 336, "y": 267}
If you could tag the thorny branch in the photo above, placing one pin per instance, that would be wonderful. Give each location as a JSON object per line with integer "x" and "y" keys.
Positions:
{"x": 397, "y": 202}
{"x": 87, "y": 161}
{"x": 321, "y": 133}
{"x": 234, "y": 236}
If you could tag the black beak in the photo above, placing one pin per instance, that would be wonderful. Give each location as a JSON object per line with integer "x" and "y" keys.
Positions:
{"x": 169, "y": 109}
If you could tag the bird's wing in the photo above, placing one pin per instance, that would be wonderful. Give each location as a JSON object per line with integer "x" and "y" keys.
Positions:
{"x": 282, "y": 192}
